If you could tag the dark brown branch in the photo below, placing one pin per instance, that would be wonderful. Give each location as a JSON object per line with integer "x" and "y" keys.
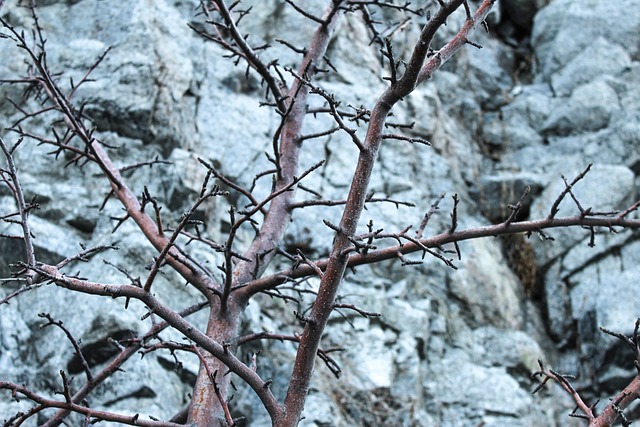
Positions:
{"x": 186, "y": 218}
{"x": 85, "y": 254}
{"x": 151, "y": 163}
{"x": 228, "y": 182}
{"x": 515, "y": 209}
{"x": 246, "y": 50}
{"x": 333, "y": 109}
{"x": 272, "y": 198}
{"x": 72, "y": 340}
{"x": 370, "y": 199}
{"x": 310, "y": 263}
{"x": 323, "y": 354}
{"x": 305, "y": 13}
{"x": 567, "y": 189}
{"x": 18, "y": 291}
{"x": 411, "y": 139}
{"x": 363, "y": 313}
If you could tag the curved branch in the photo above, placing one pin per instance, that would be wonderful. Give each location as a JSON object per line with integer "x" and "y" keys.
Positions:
{"x": 339, "y": 258}
{"x": 116, "y": 363}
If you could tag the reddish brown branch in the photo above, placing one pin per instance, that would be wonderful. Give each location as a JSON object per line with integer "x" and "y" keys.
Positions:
{"x": 216, "y": 388}
{"x": 563, "y": 381}
{"x": 339, "y": 257}
{"x": 423, "y": 224}
{"x": 614, "y": 410}
{"x": 133, "y": 345}
{"x": 241, "y": 48}
{"x": 279, "y": 212}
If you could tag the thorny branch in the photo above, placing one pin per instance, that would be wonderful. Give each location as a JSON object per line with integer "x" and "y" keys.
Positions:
{"x": 205, "y": 194}
{"x": 75, "y": 122}
{"x": 238, "y": 44}
{"x": 323, "y": 354}
{"x": 614, "y": 410}
{"x": 172, "y": 318}
{"x": 10, "y": 178}
{"x": 74, "y": 342}
{"x": 92, "y": 415}
{"x": 439, "y": 240}
{"x": 243, "y": 273}
{"x": 339, "y": 258}
{"x": 132, "y": 347}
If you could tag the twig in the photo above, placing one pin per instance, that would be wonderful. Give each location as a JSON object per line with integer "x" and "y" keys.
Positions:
{"x": 515, "y": 209}
{"x": 567, "y": 189}
{"x": 72, "y": 340}
{"x": 186, "y": 218}
{"x": 423, "y": 224}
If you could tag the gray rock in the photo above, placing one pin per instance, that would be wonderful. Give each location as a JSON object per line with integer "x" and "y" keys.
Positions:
{"x": 601, "y": 58}
{"x": 463, "y": 400}
{"x": 563, "y": 29}
{"x": 497, "y": 192}
{"x": 497, "y": 292}
{"x": 557, "y": 303}
{"x": 588, "y": 109}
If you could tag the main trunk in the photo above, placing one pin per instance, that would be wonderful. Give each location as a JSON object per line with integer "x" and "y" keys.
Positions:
{"x": 205, "y": 409}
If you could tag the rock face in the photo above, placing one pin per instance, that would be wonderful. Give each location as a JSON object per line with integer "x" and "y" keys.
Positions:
{"x": 452, "y": 348}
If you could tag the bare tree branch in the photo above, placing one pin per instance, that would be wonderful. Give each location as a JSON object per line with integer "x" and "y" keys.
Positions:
{"x": 10, "y": 177}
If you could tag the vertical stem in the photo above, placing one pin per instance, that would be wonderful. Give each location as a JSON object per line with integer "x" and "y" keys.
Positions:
{"x": 338, "y": 259}
{"x": 323, "y": 305}
{"x": 277, "y": 218}
{"x": 18, "y": 194}
{"x": 223, "y": 325}
{"x": 206, "y": 409}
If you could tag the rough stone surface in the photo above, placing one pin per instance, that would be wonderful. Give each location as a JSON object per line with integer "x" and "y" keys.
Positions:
{"x": 556, "y": 87}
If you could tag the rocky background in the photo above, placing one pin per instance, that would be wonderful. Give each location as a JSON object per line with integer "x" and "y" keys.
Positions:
{"x": 556, "y": 87}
